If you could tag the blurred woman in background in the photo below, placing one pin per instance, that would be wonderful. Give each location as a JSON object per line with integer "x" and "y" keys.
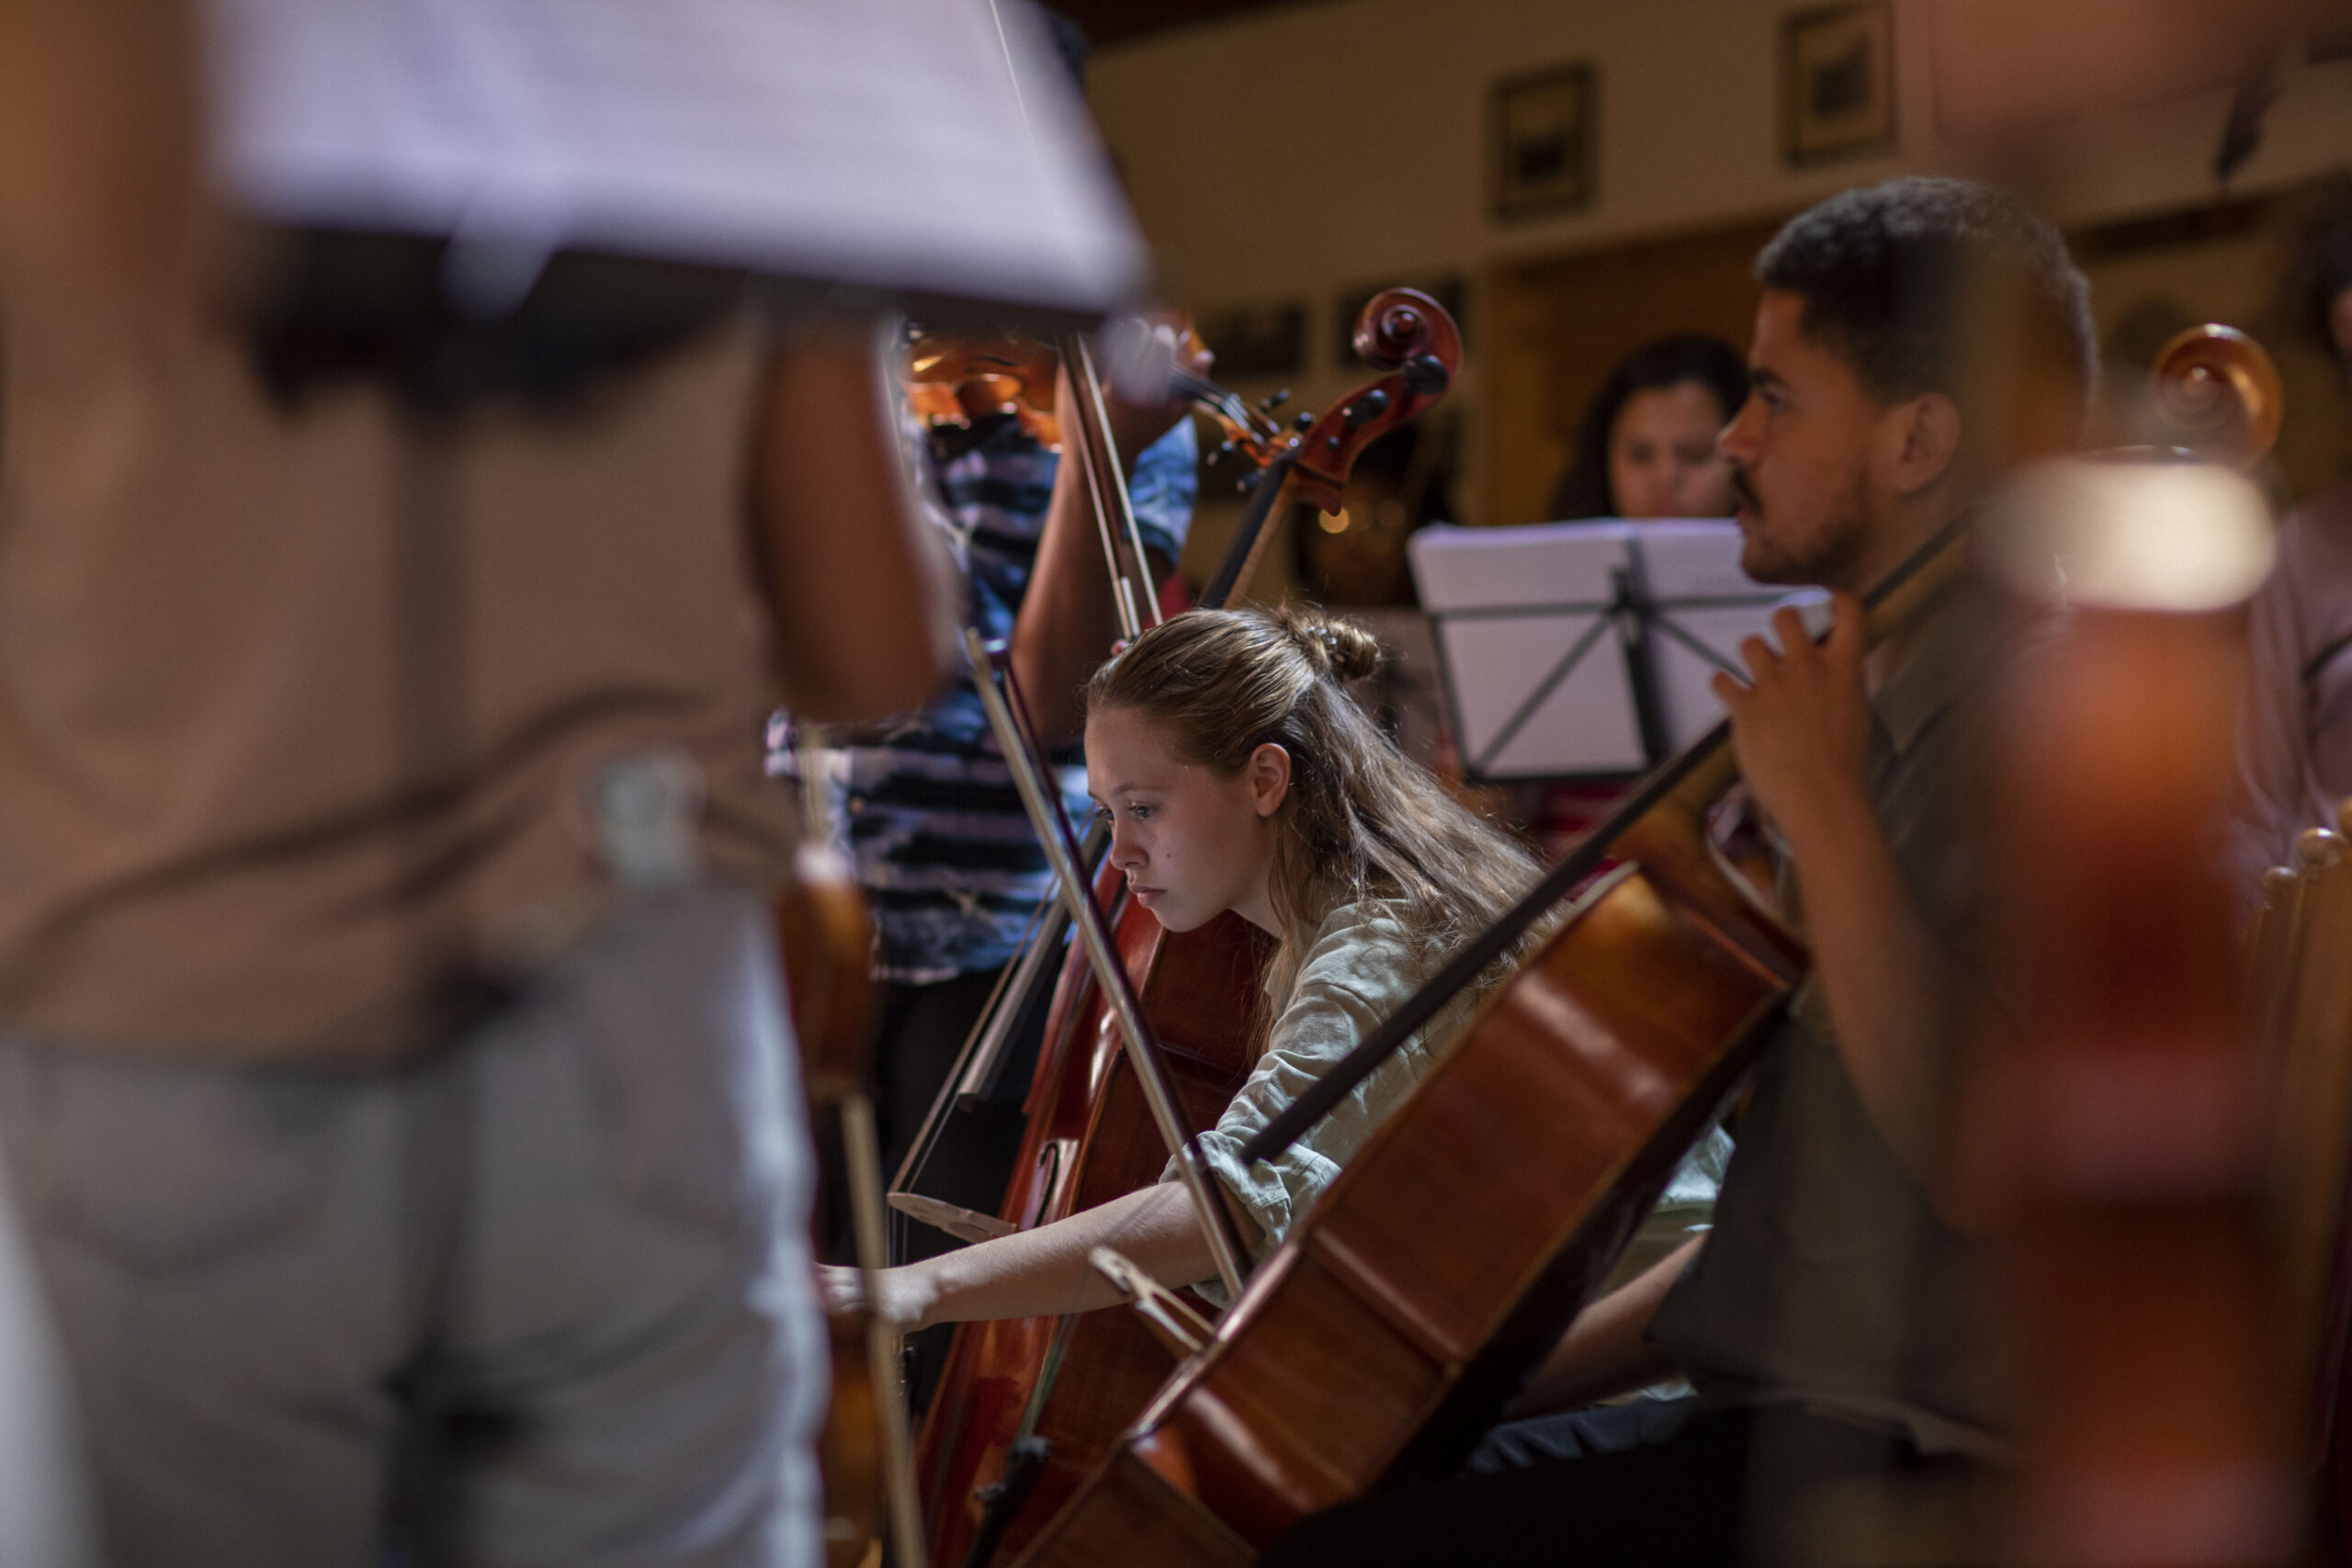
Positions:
{"x": 1648, "y": 445}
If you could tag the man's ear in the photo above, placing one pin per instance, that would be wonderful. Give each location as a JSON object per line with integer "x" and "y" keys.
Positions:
{"x": 1269, "y": 774}
{"x": 1923, "y": 443}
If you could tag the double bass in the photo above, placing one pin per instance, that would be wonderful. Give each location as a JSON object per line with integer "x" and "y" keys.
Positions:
{"x": 1026, "y": 1406}
{"x": 1395, "y": 1322}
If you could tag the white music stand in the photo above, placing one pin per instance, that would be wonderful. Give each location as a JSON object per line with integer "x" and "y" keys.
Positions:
{"x": 1585, "y": 649}
{"x": 921, "y": 151}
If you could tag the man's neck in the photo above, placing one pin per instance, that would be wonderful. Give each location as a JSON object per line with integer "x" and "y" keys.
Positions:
{"x": 1906, "y": 534}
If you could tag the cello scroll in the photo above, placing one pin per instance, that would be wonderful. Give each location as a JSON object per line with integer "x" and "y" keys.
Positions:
{"x": 2221, "y": 394}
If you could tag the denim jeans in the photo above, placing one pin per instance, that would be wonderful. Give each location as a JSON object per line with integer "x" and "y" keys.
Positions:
{"x": 543, "y": 1297}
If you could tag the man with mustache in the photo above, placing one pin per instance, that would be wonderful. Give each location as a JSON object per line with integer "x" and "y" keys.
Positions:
{"x": 1823, "y": 1321}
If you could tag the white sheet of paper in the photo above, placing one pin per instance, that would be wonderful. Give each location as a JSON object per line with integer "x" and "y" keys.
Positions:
{"x": 901, "y": 145}
{"x": 1563, "y": 576}
{"x": 1691, "y": 569}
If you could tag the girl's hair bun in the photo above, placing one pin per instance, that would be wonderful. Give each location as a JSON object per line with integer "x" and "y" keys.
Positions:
{"x": 1342, "y": 649}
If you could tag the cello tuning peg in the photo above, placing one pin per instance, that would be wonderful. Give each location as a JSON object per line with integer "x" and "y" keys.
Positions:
{"x": 1226, "y": 450}
{"x": 1304, "y": 420}
{"x": 1277, "y": 401}
{"x": 1249, "y": 481}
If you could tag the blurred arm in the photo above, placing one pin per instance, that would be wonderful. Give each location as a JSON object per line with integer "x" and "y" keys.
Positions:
{"x": 1605, "y": 1352}
{"x": 863, "y": 588}
{"x": 1069, "y": 620}
{"x": 100, "y": 144}
{"x": 1044, "y": 1272}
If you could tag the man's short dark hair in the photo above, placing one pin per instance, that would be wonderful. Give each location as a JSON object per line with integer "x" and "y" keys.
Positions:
{"x": 1883, "y": 271}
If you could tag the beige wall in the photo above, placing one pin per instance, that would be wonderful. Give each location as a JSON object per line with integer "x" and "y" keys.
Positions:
{"x": 1318, "y": 147}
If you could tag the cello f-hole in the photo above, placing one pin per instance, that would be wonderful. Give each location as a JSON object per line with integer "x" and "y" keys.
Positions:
{"x": 1049, "y": 1184}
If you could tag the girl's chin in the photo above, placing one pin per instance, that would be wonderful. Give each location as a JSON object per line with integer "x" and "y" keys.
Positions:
{"x": 1178, "y": 921}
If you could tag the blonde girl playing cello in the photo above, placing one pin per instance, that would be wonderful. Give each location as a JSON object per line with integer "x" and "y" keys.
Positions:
{"x": 1236, "y": 774}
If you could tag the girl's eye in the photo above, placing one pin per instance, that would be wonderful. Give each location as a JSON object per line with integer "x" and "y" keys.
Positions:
{"x": 1140, "y": 813}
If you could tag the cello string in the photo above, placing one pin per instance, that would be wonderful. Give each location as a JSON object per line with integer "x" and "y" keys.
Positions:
{"x": 1087, "y": 382}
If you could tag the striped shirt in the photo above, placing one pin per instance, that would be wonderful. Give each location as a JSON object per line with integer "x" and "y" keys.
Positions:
{"x": 944, "y": 852}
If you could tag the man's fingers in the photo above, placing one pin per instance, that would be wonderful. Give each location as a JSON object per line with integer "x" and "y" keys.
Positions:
{"x": 1760, "y": 656}
{"x": 1846, "y": 625}
{"x": 1788, "y": 626}
{"x": 1729, "y": 688}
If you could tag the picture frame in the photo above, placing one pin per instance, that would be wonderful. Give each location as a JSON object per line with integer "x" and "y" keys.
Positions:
{"x": 1838, "y": 83}
{"x": 1543, "y": 126}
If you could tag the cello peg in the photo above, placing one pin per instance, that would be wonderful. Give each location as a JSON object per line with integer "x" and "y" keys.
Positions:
{"x": 1305, "y": 420}
{"x": 1275, "y": 402}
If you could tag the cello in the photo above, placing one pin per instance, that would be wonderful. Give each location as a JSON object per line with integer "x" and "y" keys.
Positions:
{"x": 1025, "y": 1406}
{"x": 825, "y": 944}
{"x": 2125, "y": 1125}
{"x": 1386, "y": 1332}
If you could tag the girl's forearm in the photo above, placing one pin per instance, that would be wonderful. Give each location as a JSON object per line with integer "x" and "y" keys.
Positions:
{"x": 1044, "y": 1271}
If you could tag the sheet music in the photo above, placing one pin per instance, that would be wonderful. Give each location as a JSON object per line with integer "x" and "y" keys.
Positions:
{"x": 1690, "y": 571}
{"x": 1534, "y": 669}
{"x": 1553, "y": 636}
{"x": 885, "y": 144}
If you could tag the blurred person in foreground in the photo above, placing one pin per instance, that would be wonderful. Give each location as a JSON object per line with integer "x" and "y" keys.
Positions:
{"x": 393, "y": 1070}
{"x": 2295, "y": 732}
{"x": 1824, "y": 1320}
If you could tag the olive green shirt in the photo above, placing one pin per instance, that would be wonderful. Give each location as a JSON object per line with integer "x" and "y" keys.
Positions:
{"x": 1828, "y": 1280}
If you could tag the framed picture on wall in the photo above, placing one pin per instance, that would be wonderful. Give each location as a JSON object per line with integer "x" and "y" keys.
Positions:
{"x": 1541, "y": 146}
{"x": 1838, "y": 81}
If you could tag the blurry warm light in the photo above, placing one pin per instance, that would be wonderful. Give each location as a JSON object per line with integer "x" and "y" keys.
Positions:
{"x": 2139, "y": 536}
{"x": 2006, "y": 66}
{"x": 1333, "y": 521}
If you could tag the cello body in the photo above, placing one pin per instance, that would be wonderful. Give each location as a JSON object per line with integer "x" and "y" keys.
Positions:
{"x": 1395, "y": 1324}
{"x": 825, "y": 944}
{"x": 1089, "y": 1139}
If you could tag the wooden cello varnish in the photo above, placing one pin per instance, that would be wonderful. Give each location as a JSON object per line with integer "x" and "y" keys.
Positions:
{"x": 1088, "y": 1140}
